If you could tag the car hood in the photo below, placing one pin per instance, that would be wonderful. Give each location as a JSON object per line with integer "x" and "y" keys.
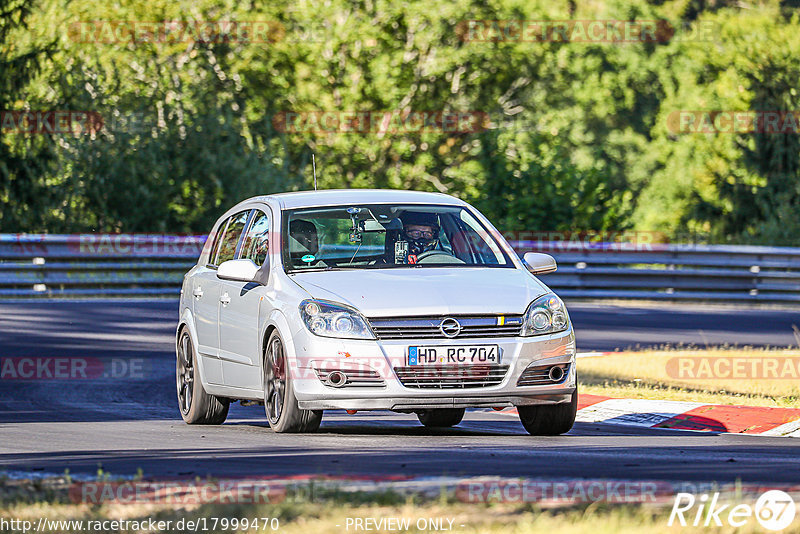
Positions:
{"x": 426, "y": 291}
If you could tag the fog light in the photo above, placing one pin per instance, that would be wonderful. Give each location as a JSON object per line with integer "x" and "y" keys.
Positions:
{"x": 556, "y": 373}
{"x": 336, "y": 379}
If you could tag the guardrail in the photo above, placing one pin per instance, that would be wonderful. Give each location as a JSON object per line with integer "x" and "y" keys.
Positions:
{"x": 153, "y": 265}
{"x": 672, "y": 271}
{"x": 35, "y": 265}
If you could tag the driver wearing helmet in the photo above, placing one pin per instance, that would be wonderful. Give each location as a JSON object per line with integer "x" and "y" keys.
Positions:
{"x": 421, "y": 231}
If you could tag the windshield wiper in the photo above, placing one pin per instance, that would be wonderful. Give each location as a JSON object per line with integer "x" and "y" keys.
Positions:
{"x": 313, "y": 270}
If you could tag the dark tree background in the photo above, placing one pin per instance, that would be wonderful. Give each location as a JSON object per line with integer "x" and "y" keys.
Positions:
{"x": 579, "y": 136}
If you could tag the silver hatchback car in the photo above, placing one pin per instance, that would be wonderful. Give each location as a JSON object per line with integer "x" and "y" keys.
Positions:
{"x": 370, "y": 300}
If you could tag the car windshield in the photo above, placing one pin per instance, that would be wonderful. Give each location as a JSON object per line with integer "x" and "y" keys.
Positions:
{"x": 382, "y": 236}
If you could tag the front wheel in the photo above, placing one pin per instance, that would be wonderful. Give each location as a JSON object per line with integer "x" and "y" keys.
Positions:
{"x": 549, "y": 419}
{"x": 197, "y": 407}
{"x": 283, "y": 412}
{"x": 441, "y": 417}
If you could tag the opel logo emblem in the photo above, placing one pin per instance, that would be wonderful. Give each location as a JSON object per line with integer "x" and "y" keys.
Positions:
{"x": 450, "y": 327}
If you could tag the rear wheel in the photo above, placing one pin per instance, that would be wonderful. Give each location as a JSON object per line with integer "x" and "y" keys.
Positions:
{"x": 549, "y": 419}
{"x": 441, "y": 417}
{"x": 283, "y": 412}
{"x": 197, "y": 407}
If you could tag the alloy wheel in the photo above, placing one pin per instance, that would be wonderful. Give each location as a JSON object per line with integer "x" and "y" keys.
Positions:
{"x": 185, "y": 373}
{"x": 275, "y": 380}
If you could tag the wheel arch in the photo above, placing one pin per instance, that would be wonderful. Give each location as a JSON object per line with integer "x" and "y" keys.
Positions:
{"x": 276, "y": 321}
{"x": 267, "y": 333}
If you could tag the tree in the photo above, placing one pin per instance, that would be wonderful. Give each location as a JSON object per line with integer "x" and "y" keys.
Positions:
{"x": 24, "y": 160}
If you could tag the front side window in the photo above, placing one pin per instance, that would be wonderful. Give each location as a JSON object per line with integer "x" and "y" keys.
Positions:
{"x": 382, "y": 236}
{"x": 227, "y": 246}
{"x": 256, "y": 242}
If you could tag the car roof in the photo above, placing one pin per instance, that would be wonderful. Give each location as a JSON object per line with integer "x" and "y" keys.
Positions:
{"x": 332, "y": 197}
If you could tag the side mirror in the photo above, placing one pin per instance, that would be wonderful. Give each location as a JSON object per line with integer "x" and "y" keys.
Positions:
{"x": 538, "y": 263}
{"x": 238, "y": 271}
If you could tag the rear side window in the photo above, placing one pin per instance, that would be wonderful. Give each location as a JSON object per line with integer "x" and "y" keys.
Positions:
{"x": 215, "y": 244}
{"x": 227, "y": 246}
{"x": 256, "y": 242}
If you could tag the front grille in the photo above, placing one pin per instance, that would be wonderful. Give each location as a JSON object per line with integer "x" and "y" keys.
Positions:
{"x": 539, "y": 375}
{"x": 451, "y": 377}
{"x": 428, "y": 327}
{"x": 355, "y": 377}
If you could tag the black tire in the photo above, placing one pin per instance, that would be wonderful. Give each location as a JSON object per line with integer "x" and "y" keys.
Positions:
{"x": 196, "y": 406}
{"x": 280, "y": 404}
{"x": 549, "y": 419}
{"x": 441, "y": 417}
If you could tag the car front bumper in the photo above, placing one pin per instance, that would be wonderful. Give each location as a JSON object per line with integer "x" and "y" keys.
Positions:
{"x": 386, "y": 390}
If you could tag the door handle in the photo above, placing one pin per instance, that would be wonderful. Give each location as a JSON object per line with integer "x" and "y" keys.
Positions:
{"x": 225, "y": 299}
{"x": 198, "y": 292}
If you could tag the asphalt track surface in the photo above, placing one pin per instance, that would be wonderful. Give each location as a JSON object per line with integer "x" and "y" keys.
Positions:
{"x": 131, "y": 423}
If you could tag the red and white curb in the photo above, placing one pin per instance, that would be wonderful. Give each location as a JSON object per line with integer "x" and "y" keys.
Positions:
{"x": 681, "y": 415}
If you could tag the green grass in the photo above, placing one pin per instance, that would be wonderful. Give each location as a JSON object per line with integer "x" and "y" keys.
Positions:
{"x": 646, "y": 374}
{"x": 329, "y": 512}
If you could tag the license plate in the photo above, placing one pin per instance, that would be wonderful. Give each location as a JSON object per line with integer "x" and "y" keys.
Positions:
{"x": 454, "y": 355}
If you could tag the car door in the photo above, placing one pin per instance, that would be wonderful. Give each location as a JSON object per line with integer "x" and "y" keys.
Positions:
{"x": 239, "y": 312}
{"x": 209, "y": 301}
{"x": 205, "y": 307}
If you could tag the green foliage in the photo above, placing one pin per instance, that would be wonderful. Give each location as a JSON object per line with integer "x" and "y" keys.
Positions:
{"x": 533, "y": 184}
{"x": 579, "y": 137}
{"x": 732, "y": 187}
{"x": 24, "y": 193}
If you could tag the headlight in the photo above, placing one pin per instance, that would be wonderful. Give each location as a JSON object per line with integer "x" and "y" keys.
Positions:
{"x": 329, "y": 319}
{"x": 545, "y": 315}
